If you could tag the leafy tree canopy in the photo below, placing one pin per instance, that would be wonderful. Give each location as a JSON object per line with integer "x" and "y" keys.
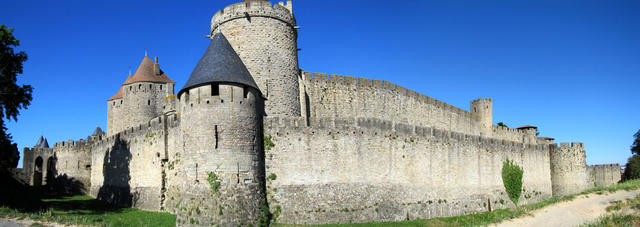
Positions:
{"x": 502, "y": 124}
{"x": 13, "y": 97}
{"x": 635, "y": 147}
{"x": 632, "y": 170}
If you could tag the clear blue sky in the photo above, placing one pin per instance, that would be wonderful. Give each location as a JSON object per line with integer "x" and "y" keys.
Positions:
{"x": 572, "y": 68}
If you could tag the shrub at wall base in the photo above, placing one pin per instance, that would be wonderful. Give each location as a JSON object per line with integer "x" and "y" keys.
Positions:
{"x": 512, "y": 180}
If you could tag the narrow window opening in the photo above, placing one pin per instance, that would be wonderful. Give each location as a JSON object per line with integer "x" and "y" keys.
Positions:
{"x": 160, "y": 87}
{"x": 130, "y": 87}
{"x": 139, "y": 86}
{"x": 216, "y": 135}
{"x": 197, "y": 173}
{"x": 148, "y": 102}
{"x": 120, "y": 101}
{"x": 215, "y": 89}
{"x": 114, "y": 103}
{"x": 150, "y": 86}
{"x": 238, "y": 173}
{"x": 245, "y": 92}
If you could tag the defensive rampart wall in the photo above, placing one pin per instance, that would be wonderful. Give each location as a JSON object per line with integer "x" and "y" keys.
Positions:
{"x": 335, "y": 96}
{"x": 128, "y": 167}
{"x": 603, "y": 175}
{"x": 366, "y": 169}
{"x": 568, "y": 168}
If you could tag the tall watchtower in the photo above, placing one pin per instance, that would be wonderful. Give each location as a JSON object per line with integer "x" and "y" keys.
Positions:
{"x": 265, "y": 38}
{"x": 222, "y": 163}
{"x": 483, "y": 108}
{"x": 140, "y": 98}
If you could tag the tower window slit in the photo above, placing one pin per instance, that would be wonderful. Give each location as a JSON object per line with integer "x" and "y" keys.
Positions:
{"x": 216, "y": 135}
{"x": 215, "y": 90}
{"x": 148, "y": 102}
{"x": 245, "y": 91}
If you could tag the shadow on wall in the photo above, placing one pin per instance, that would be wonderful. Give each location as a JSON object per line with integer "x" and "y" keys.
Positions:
{"x": 115, "y": 188}
{"x": 62, "y": 184}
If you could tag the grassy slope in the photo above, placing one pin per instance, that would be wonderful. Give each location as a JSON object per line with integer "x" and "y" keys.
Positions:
{"x": 85, "y": 210}
{"x": 496, "y": 216}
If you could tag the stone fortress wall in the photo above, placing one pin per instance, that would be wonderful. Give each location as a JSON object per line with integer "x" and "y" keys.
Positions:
{"x": 127, "y": 168}
{"x": 357, "y": 170}
{"x": 603, "y": 175}
{"x": 338, "y": 149}
{"x": 336, "y": 96}
{"x": 568, "y": 168}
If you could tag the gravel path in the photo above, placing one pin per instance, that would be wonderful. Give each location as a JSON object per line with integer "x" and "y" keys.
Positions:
{"x": 584, "y": 208}
{"x": 19, "y": 223}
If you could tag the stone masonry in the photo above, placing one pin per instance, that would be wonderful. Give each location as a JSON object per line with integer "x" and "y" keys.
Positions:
{"x": 251, "y": 132}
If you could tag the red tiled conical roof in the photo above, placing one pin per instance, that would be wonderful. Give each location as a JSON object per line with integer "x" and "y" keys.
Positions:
{"x": 118, "y": 95}
{"x": 145, "y": 73}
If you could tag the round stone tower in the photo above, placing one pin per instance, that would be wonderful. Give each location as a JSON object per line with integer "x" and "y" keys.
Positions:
{"x": 143, "y": 94}
{"x": 222, "y": 163}
{"x": 140, "y": 97}
{"x": 265, "y": 38}
{"x": 483, "y": 108}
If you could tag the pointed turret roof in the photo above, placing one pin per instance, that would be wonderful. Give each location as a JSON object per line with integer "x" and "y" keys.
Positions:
{"x": 98, "y": 131}
{"x": 146, "y": 73}
{"x": 118, "y": 95}
{"x": 220, "y": 64}
{"x": 42, "y": 143}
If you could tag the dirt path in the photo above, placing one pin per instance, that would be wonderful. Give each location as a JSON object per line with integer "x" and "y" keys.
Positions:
{"x": 584, "y": 208}
{"x": 4, "y": 222}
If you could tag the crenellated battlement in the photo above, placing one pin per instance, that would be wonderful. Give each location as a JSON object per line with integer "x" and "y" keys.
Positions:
{"x": 365, "y": 83}
{"x": 481, "y": 100}
{"x": 281, "y": 11}
{"x": 578, "y": 145}
{"x": 379, "y": 127}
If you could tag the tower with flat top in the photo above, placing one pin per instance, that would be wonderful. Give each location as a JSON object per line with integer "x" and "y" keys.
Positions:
{"x": 264, "y": 36}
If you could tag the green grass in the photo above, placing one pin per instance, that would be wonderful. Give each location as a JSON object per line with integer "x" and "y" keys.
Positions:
{"x": 620, "y": 219}
{"x": 615, "y": 219}
{"x": 84, "y": 210}
{"x": 496, "y": 216}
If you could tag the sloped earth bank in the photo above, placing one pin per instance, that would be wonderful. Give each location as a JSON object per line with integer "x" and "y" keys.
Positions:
{"x": 582, "y": 209}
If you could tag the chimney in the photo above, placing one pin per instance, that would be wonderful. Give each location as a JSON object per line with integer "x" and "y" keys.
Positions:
{"x": 156, "y": 67}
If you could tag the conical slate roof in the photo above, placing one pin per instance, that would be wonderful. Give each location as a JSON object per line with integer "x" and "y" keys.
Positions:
{"x": 145, "y": 73}
{"x": 220, "y": 64}
{"x": 42, "y": 143}
{"x": 98, "y": 131}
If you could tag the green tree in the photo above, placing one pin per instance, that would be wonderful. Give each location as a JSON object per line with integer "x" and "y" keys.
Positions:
{"x": 635, "y": 147}
{"x": 632, "y": 170}
{"x": 13, "y": 97}
{"x": 502, "y": 124}
{"x": 512, "y": 180}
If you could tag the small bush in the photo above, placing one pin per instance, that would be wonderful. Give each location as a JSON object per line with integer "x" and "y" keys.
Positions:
{"x": 268, "y": 144}
{"x": 214, "y": 182}
{"x": 512, "y": 179}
